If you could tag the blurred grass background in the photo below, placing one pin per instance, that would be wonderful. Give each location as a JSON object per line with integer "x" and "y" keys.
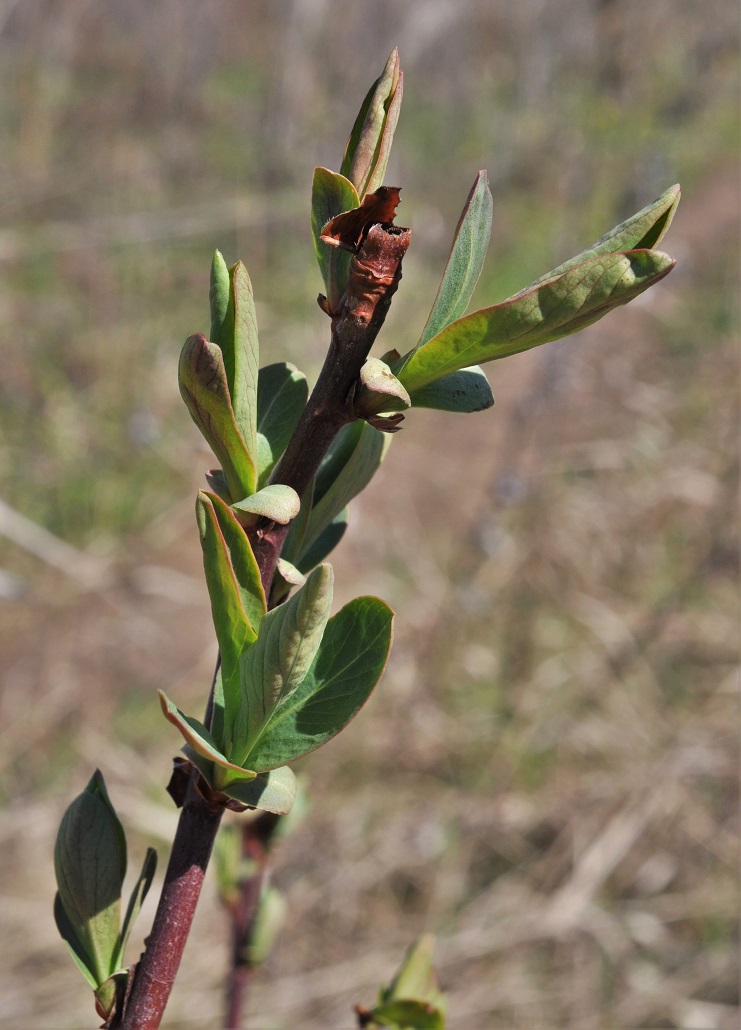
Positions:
{"x": 547, "y": 775}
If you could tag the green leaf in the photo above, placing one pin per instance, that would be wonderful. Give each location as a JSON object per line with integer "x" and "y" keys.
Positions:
{"x": 242, "y": 359}
{"x": 558, "y": 308}
{"x": 270, "y": 919}
{"x": 199, "y": 740}
{"x": 271, "y": 671}
{"x": 325, "y": 543}
{"x": 369, "y": 145}
{"x": 282, "y": 392}
{"x": 416, "y": 976}
{"x": 139, "y": 893}
{"x": 205, "y": 390}
{"x": 75, "y": 946}
{"x": 465, "y": 262}
{"x": 277, "y": 502}
{"x": 379, "y": 390}
{"x": 237, "y": 597}
{"x": 464, "y": 391}
{"x": 222, "y": 307}
{"x": 331, "y": 194}
{"x": 642, "y": 231}
{"x": 272, "y": 791}
{"x": 408, "y": 1014}
{"x": 90, "y": 865}
{"x": 351, "y": 462}
{"x": 347, "y": 666}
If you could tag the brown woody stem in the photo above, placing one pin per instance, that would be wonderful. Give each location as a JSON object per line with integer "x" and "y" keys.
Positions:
{"x": 373, "y": 279}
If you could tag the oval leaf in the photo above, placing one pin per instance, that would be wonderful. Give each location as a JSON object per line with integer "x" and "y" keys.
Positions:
{"x": 289, "y": 638}
{"x": 331, "y": 194}
{"x": 347, "y": 666}
{"x": 573, "y": 301}
{"x": 278, "y": 502}
{"x": 465, "y": 391}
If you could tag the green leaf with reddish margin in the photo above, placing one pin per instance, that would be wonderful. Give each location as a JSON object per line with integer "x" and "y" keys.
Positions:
{"x": 562, "y": 306}
{"x": 273, "y": 668}
{"x": 347, "y": 666}
{"x": 271, "y": 791}
{"x": 642, "y": 231}
{"x": 331, "y": 195}
{"x": 198, "y": 738}
{"x": 90, "y": 866}
{"x": 369, "y": 145}
{"x": 464, "y": 391}
{"x": 465, "y": 262}
{"x": 205, "y": 389}
{"x": 282, "y": 392}
{"x": 237, "y": 597}
{"x": 351, "y": 462}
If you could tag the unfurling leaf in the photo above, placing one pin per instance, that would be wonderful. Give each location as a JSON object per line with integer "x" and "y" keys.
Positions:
{"x": 277, "y": 502}
{"x": 369, "y": 145}
{"x": 380, "y": 390}
{"x": 347, "y": 666}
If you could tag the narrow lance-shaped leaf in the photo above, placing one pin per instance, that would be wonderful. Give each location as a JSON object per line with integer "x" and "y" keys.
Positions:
{"x": 205, "y": 390}
{"x": 138, "y": 895}
{"x": 331, "y": 195}
{"x": 90, "y": 866}
{"x": 222, "y": 306}
{"x": 369, "y": 145}
{"x": 274, "y": 667}
{"x": 642, "y": 231}
{"x": 560, "y": 307}
{"x": 242, "y": 361}
{"x": 347, "y": 666}
{"x": 235, "y": 589}
{"x": 465, "y": 261}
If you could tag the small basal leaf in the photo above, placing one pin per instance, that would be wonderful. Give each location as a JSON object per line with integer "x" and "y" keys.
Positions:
{"x": 558, "y": 308}
{"x": 347, "y": 666}
{"x": 90, "y": 865}
{"x": 465, "y": 262}
{"x": 273, "y": 791}
{"x": 331, "y": 194}
{"x": 273, "y": 668}
{"x": 205, "y": 390}
{"x": 282, "y": 392}
{"x": 464, "y": 391}
{"x": 276, "y": 502}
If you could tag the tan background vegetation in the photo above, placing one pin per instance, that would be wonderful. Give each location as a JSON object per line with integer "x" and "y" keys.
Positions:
{"x": 546, "y": 777}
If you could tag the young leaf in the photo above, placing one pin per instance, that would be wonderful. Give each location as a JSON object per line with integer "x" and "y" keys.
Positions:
{"x": 642, "y": 231}
{"x": 139, "y": 893}
{"x": 272, "y": 791}
{"x": 277, "y": 502}
{"x": 282, "y": 392}
{"x": 369, "y": 145}
{"x": 407, "y": 1014}
{"x": 198, "y": 739}
{"x": 331, "y": 194}
{"x": 77, "y": 950}
{"x": 464, "y": 391}
{"x": 353, "y": 459}
{"x": 380, "y": 390}
{"x": 271, "y": 671}
{"x": 242, "y": 359}
{"x": 233, "y": 579}
{"x": 222, "y": 307}
{"x": 325, "y": 543}
{"x": 205, "y": 390}
{"x": 347, "y": 666}
{"x": 90, "y": 865}
{"x": 465, "y": 262}
{"x": 558, "y": 308}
